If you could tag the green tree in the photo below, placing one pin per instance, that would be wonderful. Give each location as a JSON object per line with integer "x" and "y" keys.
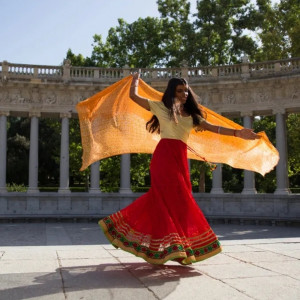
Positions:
{"x": 293, "y": 141}
{"x": 18, "y": 144}
{"x": 49, "y": 152}
{"x": 78, "y": 179}
{"x": 140, "y": 172}
{"x": 178, "y": 34}
{"x": 267, "y": 183}
{"x": 79, "y": 60}
{"x": 110, "y": 170}
{"x": 289, "y": 19}
{"x": 136, "y": 45}
{"x": 220, "y": 25}
{"x": 220, "y": 32}
{"x": 201, "y": 176}
{"x": 278, "y": 29}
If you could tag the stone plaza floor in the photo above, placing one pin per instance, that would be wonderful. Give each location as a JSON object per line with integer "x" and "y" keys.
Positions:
{"x": 75, "y": 261}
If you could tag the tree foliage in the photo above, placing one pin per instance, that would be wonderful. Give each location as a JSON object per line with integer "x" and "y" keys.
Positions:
{"x": 18, "y": 150}
{"x": 218, "y": 32}
{"x": 266, "y": 184}
{"x": 293, "y": 141}
{"x": 279, "y": 29}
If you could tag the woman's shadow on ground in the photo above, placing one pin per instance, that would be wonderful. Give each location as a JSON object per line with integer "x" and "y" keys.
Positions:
{"x": 114, "y": 281}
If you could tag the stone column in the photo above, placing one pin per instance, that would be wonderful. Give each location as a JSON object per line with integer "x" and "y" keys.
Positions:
{"x": 281, "y": 145}
{"x": 95, "y": 178}
{"x": 3, "y": 149}
{"x": 125, "y": 174}
{"x": 34, "y": 152}
{"x": 217, "y": 180}
{"x": 249, "y": 177}
{"x": 64, "y": 154}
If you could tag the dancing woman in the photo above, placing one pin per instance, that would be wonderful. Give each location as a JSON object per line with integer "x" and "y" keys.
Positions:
{"x": 166, "y": 223}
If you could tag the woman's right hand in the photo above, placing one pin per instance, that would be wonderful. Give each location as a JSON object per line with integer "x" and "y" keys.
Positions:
{"x": 136, "y": 76}
{"x": 133, "y": 94}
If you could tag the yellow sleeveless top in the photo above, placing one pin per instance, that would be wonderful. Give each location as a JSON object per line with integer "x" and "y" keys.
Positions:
{"x": 168, "y": 128}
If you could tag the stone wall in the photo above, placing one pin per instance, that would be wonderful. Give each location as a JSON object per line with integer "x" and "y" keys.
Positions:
{"x": 75, "y": 206}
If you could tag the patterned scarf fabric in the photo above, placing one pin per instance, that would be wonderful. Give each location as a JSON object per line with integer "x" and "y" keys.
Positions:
{"x": 112, "y": 124}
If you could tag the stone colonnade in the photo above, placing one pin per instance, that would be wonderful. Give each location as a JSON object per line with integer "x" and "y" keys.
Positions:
{"x": 281, "y": 168}
{"x": 249, "y": 182}
{"x": 245, "y": 89}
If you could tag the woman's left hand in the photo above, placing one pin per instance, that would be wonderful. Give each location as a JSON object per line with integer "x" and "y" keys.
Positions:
{"x": 246, "y": 134}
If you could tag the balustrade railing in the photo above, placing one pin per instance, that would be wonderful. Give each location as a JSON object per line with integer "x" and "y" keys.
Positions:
{"x": 200, "y": 72}
{"x": 78, "y": 72}
{"x": 290, "y": 65}
{"x": 69, "y": 73}
{"x": 23, "y": 71}
{"x": 277, "y": 66}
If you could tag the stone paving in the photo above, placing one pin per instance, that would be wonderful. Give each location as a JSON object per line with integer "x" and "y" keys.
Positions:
{"x": 75, "y": 261}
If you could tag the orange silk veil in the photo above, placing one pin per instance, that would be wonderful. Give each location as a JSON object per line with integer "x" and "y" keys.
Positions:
{"x": 112, "y": 124}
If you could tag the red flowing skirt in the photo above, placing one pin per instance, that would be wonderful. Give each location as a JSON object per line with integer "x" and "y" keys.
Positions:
{"x": 165, "y": 223}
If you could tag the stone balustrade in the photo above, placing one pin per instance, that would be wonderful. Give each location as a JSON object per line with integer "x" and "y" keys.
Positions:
{"x": 66, "y": 72}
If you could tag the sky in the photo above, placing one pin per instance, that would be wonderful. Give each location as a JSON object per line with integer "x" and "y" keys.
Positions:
{"x": 41, "y": 31}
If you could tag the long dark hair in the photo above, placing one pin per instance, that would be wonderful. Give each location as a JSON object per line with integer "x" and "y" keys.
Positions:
{"x": 191, "y": 106}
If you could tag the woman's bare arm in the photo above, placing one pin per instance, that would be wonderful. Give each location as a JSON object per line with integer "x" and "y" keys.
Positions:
{"x": 143, "y": 102}
{"x": 244, "y": 133}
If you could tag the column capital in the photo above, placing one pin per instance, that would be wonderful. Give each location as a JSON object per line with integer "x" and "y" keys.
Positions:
{"x": 34, "y": 114}
{"x": 65, "y": 115}
{"x": 4, "y": 113}
{"x": 278, "y": 110}
{"x": 247, "y": 113}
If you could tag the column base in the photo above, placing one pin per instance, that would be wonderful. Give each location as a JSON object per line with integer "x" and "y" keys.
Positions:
{"x": 249, "y": 191}
{"x": 217, "y": 191}
{"x": 64, "y": 191}
{"x": 3, "y": 190}
{"x": 282, "y": 191}
{"x": 94, "y": 191}
{"x": 32, "y": 190}
{"x": 125, "y": 191}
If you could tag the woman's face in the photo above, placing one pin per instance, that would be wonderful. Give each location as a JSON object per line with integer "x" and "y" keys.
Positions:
{"x": 181, "y": 93}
